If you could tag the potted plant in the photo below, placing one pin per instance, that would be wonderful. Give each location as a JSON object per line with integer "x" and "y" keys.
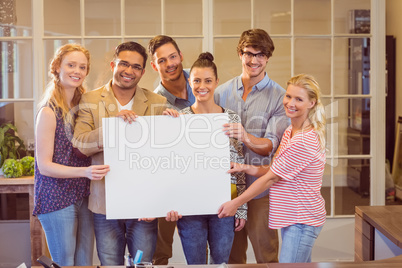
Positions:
{"x": 11, "y": 145}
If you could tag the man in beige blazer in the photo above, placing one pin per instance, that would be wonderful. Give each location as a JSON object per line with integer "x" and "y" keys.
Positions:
{"x": 121, "y": 97}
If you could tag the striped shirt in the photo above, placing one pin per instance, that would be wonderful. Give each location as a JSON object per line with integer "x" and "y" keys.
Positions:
{"x": 262, "y": 115}
{"x": 296, "y": 198}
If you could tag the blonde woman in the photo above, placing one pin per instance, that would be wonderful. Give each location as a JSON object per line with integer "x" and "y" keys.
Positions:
{"x": 295, "y": 175}
{"x": 62, "y": 178}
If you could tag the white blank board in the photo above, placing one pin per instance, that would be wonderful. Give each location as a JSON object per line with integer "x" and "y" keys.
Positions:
{"x": 162, "y": 163}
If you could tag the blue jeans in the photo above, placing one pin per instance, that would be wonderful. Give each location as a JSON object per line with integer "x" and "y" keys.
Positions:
{"x": 195, "y": 231}
{"x": 70, "y": 234}
{"x": 112, "y": 236}
{"x": 297, "y": 243}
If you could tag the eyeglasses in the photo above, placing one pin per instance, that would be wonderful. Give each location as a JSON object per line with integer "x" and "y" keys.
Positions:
{"x": 249, "y": 55}
{"x": 125, "y": 65}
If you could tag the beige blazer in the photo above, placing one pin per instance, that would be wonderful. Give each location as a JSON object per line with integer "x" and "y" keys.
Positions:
{"x": 88, "y": 138}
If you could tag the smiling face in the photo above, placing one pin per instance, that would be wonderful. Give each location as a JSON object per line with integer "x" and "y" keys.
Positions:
{"x": 125, "y": 77}
{"x": 167, "y": 61}
{"x": 253, "y": 67}
{"x": 297, "y": 103}
{"x": 203, "y": 82}
{"x": 73, "y": 70}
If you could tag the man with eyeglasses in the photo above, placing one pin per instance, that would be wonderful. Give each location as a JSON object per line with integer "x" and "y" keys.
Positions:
{"x": 166, "y": 59}
{"x": 258, "y": 101}
{"x": 121, "y": 97}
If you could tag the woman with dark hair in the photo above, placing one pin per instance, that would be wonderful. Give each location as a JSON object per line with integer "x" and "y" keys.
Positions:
{"x": 198, "y": 230}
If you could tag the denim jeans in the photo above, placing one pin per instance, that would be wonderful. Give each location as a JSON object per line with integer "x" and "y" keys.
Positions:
{"x": 70, "y": 234}
{"x": 297, "y": 243}
{"x": 264, "y": 241}
{"x": 195, "y": 231}
{"x": 112, "y": 236}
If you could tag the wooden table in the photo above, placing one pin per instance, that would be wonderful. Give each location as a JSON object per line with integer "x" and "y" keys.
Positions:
{"x": 26, "y": 185}
{"x": 385, "y": 219}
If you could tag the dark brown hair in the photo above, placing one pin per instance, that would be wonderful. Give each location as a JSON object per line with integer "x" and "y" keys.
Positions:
{"x": 257, "y": 39}
{"x": 131, "y": 46}
{"x": 205, "y": 60}
{"x": 159, "y": 41}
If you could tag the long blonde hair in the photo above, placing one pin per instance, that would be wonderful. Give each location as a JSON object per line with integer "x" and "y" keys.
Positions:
{"x": 317, "y": 113}
{"x": 54, "y": 95}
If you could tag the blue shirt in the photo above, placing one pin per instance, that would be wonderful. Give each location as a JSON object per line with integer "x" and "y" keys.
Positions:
{"x": 262, "y": 115}
{"x": 175, "y": 102}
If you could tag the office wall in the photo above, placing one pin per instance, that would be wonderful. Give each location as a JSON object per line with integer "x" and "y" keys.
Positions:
{"x": 394, "y": 22}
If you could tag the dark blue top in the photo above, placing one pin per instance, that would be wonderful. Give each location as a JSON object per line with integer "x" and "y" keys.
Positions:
{"x": 53, "y": 194}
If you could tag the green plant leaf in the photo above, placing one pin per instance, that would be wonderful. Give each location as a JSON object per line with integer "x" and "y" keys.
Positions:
{"x": 11, "y": 126}
{"x": 4, "y": 151}
{"x": 11, "y": 144}
{"x": 12, "y": 155}
{"x": 1, "y": 137}
{"x": 5, "y": 127}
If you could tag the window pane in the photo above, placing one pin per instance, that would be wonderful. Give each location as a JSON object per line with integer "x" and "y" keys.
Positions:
{"x": 234, "y": 20}
{"x": 50, "y": 47}
{"x": 359, "y": 126}
{"x": 313, "y": 56}
{"x": 352, "y": 66}
{"x": 191, "y": 49}
{"x": 102, "y": 17}
{"x": 312, "y": 17}
{"x": 62, "y": 23}
{"x": 342, "y": 126}
{"x": 359, "y": 66}
{"x": 101, "y": 55}
{"x": 189, "y": 22}
{"x": 143, "y": 17}
{"x": 21, "y": 114}
{"x": 352, "y": 181}
{"x": 341, "y": 65}
{"x": 279, "y": 65}
{"x": 16, "y": 72}
{"x": 332, "y": 126}
{"x": 353, "y": 126}
{"x": 272, "y": 16}
{"x": 343, "y": 12}
{"x": 226, "y": 58}
{"x": 16, "y": 18}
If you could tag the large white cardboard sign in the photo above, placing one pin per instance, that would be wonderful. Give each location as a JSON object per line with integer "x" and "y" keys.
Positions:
{"x": 162, "y": 163}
